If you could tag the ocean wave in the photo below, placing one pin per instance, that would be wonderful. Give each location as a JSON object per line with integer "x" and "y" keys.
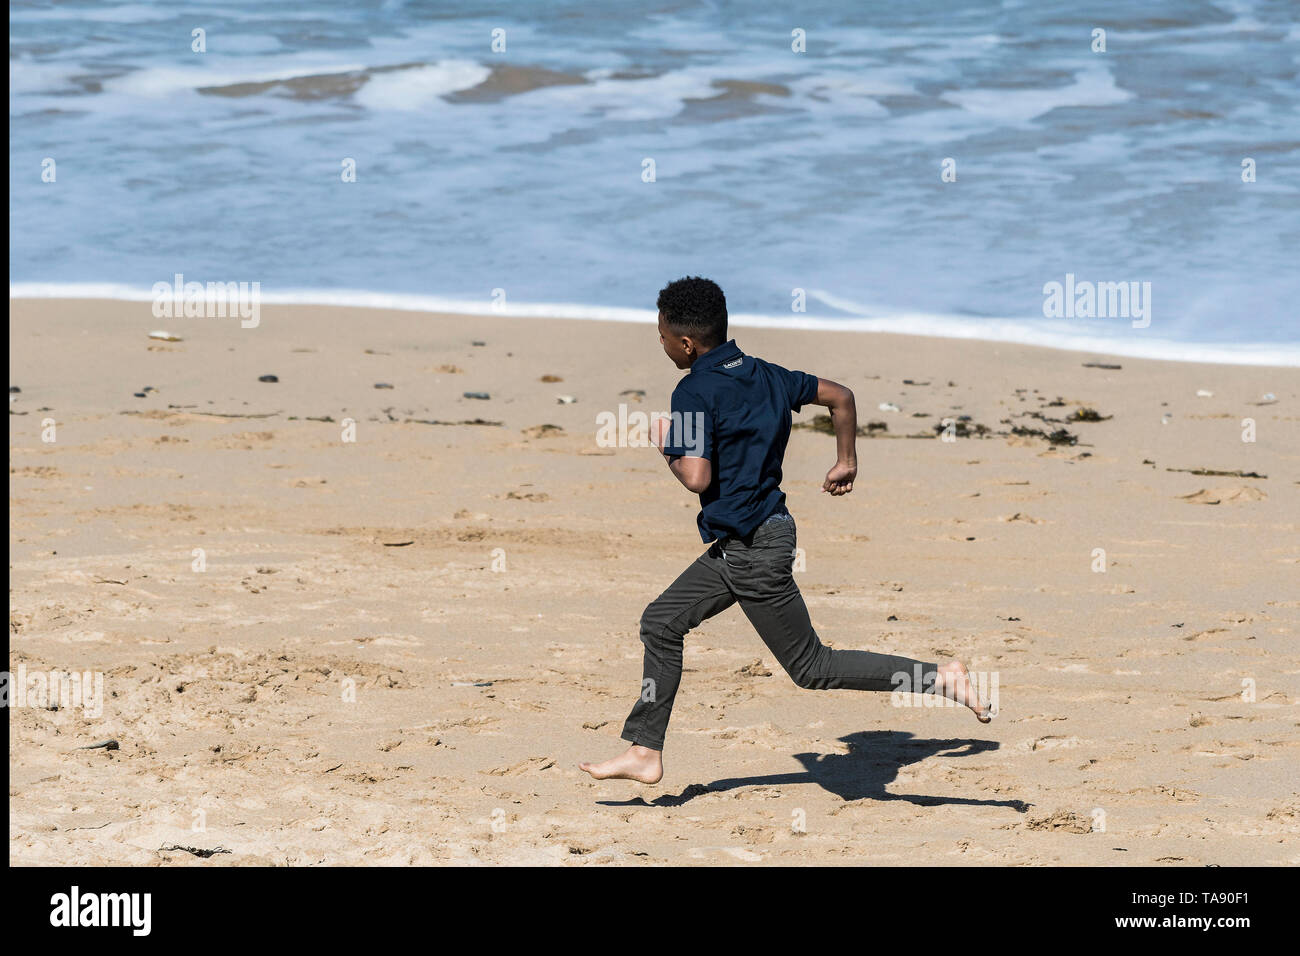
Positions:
{"x": 106, "y": 13}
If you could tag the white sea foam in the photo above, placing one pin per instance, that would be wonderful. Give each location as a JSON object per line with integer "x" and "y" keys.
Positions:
{"x": 859, "y": 83}
{"x": 653, "y": 97}
{"x": 419, "y": 87}
{"x": 1094, "y": 86}
{"x": 1055, "y": 335}
{"x": 29, "y": 76}
{"x": 162, "y": 81}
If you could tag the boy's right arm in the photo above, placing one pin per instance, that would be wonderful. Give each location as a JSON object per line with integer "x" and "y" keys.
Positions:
{"x": 844, "y": 418}
{"x": 695, "y": 474}
{"x": 686, "y": 441}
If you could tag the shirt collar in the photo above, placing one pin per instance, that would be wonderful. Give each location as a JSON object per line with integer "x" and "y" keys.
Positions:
{"x": 716, "y": 356}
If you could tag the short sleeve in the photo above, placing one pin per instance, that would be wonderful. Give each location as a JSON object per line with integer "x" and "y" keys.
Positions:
{"x": 801, "y": 387}
{"x": 690, "y": 434}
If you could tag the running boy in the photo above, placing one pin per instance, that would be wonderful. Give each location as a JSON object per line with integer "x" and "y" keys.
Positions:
{"x": 725, "y": 442}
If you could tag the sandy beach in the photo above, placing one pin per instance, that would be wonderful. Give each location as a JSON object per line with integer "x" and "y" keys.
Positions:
{"x": 396, "y": 649}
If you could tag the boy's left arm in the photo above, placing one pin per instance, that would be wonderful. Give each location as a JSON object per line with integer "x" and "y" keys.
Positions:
{"x": 844, "y": 418}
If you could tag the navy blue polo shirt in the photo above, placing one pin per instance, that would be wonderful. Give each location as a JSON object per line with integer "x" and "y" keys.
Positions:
{"x": 734, "y": 410}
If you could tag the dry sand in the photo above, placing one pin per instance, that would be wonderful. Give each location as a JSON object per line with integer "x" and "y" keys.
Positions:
{"x": 1124, "y": 735}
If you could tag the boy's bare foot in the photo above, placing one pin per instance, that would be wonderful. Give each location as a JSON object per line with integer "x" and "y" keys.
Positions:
{"x": 636, "y": 763}
{"x": 954, "y": 683}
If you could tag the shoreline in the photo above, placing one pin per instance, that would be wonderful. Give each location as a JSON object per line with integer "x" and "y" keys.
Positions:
{"x": 1027, "y": 332}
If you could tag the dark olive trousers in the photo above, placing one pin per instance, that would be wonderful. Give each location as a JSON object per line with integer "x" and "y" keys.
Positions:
{"x": 756, "y": 572}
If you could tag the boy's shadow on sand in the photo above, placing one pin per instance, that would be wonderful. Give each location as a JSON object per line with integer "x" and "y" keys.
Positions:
{"x": 872, "y": 763}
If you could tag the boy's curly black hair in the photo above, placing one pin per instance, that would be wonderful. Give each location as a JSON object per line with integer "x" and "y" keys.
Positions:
{"x": 696, "y": 307}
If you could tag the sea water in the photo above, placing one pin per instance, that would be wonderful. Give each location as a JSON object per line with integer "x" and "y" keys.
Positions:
{"x": 935, "y": 166}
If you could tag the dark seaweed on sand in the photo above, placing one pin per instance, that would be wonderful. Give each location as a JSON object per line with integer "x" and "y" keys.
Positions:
{"x": 819, "y": 423}
{"x": 1058, "y": 437}
{"x": 434, "y": 421}
{"x": 201, "y": 852}
{"x": 823, "y": 424}
{"x": 963, "y": 428}
{"x": 1210, "y": 472}
{"x": 1088, "y": 415}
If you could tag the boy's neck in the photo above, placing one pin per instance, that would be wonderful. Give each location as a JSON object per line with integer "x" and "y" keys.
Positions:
{"x": 700, "y": 354}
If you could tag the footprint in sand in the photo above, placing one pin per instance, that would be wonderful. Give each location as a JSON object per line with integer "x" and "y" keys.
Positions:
{"x": 531, "y": 765}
